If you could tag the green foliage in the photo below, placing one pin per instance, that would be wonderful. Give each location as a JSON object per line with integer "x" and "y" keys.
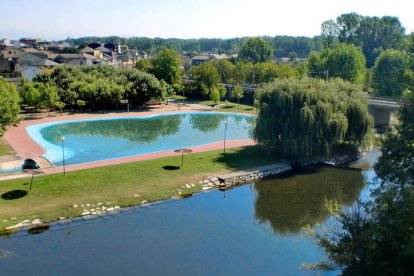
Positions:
{"x": 222, "y": 91}
{"x": 371, "y": 34}
{"x": 241, "y": 71}
{"x": 9, "y": 106}
{"x": 206, "y": 76}
{"x": 143, "y": 65}
{"x": 256, "y": 50}
{"x": 308, "y": 118}
{"x": 395, "y": 166}
{"x": 237, "y": 92}
{"x": 389, "y": 72}
{"x": 225, "y": 69}
{"x": 330, "y": 32}
{"x": 343, "y": 60}
{"x": 60, "y": 105}
{"x": 30, "y": 95}
{"x": 48, "y": 95}
{"x": 377, "y": 238}
{"x": 80, "y": 104}
{"x": 98, "y": 86}
{"x": 265, "y": 72}
{"x": 166, "y": 66}
{"x": 215, "y": 94}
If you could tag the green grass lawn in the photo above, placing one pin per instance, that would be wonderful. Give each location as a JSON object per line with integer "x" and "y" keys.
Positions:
{"x": 54, "y": 196}
{"x": 227, "y": 106}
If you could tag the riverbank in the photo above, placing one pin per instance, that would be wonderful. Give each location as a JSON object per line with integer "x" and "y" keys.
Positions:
{"x": 53, "y": 196}
{"x": 95, "y": 192}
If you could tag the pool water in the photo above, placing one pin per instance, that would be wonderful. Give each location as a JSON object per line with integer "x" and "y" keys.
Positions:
{"x": 94, "y": 140}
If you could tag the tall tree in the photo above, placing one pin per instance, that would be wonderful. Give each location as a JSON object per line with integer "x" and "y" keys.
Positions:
{"x": 372, "y": 34}
{"x": 330, "y": 33}
{"x": 9, "y": 106}
{"x": 343, "y": 60}
{"x": 308, "y": 118}
{"x": 348, "y": 24}
{"x": 256, "y": 50}
{"x": 206, "y": 76}
{"x": 389, "y": 73}
{"x": 377, "y": 34}
{"x": 166, "y": 66}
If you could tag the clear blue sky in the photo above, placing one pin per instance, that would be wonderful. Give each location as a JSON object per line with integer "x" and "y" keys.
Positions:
{"x": 58, "y": 19}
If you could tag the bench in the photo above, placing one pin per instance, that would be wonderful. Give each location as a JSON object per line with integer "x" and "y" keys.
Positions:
{"x": 152, "y": 103}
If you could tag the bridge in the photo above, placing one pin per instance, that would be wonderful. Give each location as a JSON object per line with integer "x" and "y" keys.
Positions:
{"x": 382, "y": 109}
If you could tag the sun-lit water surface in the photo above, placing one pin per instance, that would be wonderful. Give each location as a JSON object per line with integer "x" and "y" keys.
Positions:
{"x": 255, "y": 229}
{"x": 94, "y": 140}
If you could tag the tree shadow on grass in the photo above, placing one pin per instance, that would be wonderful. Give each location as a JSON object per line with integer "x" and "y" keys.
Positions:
{"x": 246, "y": 157}
{"x": 227, "y": 106}
{"x": 14, "y": 194}
{"x": 171, "y": 168}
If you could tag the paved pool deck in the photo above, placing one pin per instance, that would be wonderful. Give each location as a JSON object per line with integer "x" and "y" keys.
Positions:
{"x": 25, "y": 147}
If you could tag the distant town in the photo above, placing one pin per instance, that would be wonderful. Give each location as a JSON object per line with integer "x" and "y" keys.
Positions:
{"x": 26, "y": 57}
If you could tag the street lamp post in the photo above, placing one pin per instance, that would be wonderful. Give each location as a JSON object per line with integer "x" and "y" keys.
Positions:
{"x": 225, "y": 131}
{"x": 62, "y": 139}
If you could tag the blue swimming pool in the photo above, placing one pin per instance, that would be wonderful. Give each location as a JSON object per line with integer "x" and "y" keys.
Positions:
{"x": 102, "y": 139}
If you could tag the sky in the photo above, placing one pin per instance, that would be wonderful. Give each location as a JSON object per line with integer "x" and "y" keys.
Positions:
{"x": 59, "y": 19}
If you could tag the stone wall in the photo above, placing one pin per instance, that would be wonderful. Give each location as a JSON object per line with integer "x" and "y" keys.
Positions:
{"x": 242, "y": 177}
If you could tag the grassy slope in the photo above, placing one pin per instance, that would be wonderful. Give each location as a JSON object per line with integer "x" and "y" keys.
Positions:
{"x": 226, "y": 106}
{"x": 231, "y": 107}
{"x": 53, "y": 196}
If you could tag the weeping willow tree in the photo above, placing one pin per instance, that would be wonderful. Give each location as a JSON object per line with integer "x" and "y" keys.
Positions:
{"x": 308, "y": 118}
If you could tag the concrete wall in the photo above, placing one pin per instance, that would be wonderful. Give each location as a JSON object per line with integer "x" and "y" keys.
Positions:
{"x": 382, "y": 116}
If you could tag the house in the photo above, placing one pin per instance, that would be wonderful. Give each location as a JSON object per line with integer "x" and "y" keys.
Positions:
{"x": 197, "y": 60}
{"x": 4, "y": 44}
{"x": 31, "y": 63}
{"x": 88, "y": 50}
{"x": 29, "y": 41}
{"x": 30, "y": 58}
{"x": 5, "y": 64}
{"x": 29, "y": 72}
{"x": 218, "y": 56}
{"x": 11, "y": 53}
{"x": 77, "y": 59}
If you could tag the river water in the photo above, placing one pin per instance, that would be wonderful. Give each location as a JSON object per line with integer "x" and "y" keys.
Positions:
{"x": 255, "y": 229}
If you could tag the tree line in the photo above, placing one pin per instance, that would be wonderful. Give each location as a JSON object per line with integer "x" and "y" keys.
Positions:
{"x": 282, "y": 45}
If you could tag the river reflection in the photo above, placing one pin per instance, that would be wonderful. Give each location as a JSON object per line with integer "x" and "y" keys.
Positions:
{"x": 291, "y": 203}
